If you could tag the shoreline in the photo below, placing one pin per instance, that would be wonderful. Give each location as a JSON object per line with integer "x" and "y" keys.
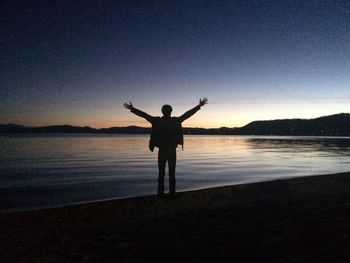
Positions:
{"x": 78, "y": 203}
{"x": 185, "y": 134}
{"x": 112, "y": 199}
{"x": 287, "y": 220}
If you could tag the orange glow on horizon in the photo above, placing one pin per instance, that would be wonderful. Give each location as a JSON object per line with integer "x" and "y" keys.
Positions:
{"x": 211, "y": 116}
{"x": 110, "y": 123}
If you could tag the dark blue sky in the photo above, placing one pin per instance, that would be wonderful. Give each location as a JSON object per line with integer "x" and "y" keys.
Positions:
{"x": 64, "y": 63}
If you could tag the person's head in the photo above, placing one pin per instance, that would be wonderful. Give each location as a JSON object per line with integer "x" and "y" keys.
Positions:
{"x": 166, "y": 110}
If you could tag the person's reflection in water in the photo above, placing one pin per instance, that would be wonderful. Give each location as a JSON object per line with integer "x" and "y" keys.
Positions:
{"x": 166, "y": 135}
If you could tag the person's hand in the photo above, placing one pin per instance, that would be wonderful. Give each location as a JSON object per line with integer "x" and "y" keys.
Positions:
{"x": 203, "y": 101}
{"x": 128, "y": 106}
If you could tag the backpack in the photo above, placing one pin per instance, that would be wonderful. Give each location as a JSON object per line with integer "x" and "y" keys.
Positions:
{"x": 166, "y": 132}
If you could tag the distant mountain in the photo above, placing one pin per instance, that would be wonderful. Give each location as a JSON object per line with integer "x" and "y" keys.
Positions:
{"x": 14, "y": 128}
{"x": 333, "y": 125}
{"x": 125, "y": 130}
{"x": 8, "y": 128}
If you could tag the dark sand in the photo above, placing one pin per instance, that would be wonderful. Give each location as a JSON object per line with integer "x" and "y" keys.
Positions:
{"x": 297, "y": 220}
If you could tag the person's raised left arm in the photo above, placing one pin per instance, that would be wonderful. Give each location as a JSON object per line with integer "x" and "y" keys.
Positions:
{"x": 192, "y": 111}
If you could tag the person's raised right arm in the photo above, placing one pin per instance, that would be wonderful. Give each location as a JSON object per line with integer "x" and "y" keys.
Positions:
{"x": 138, "y": 112}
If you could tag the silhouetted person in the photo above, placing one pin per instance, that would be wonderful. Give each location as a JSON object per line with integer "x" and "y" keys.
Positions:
{"x": 166, "y": 135}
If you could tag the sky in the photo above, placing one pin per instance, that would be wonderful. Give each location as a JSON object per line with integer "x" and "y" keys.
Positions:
{"x": 77, "y": 62}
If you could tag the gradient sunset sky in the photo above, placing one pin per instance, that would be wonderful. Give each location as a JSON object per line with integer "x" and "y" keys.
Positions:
{"x": 77, "y": 63}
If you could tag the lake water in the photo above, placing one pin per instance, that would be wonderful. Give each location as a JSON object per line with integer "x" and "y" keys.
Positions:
{"x": 58, "y": 169}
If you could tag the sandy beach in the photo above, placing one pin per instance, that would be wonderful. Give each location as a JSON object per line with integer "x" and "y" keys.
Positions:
{"x": 296, "y": 220}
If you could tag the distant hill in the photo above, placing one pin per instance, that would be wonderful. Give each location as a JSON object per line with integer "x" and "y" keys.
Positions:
{"x": 14, "y": 128}
{"x": 333, "y": 125}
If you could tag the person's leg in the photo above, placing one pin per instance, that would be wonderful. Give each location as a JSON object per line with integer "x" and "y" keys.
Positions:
{"x": 172, "y": 166}
{"x": 161, "y": 171}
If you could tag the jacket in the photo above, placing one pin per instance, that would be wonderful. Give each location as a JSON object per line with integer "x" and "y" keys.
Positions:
{"x": 166, "y": 131}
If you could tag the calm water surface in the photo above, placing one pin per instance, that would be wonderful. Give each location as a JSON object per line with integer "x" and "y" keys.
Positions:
{"x": 52, "y": 170}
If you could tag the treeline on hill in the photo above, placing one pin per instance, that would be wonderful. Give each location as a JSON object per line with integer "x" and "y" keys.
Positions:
{"x": 333, "y": 125}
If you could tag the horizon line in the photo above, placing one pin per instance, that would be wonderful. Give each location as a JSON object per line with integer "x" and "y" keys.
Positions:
{"x": 183, "y": 127}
